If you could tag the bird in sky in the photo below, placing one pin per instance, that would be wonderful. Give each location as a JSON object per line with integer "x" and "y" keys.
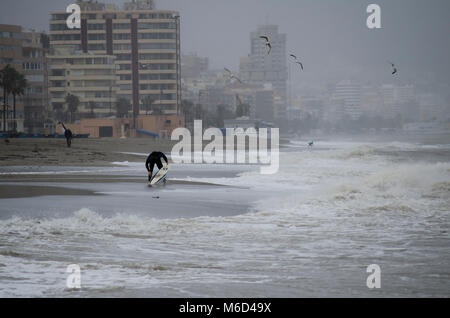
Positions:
{"x": 266, "y": 38}
{"x": 231, "y": 75}
{"x": 394, "y": 69}
{"x": 297, "y": 61}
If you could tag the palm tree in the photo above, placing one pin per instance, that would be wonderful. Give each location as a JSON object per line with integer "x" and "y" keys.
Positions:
{"x": 242, "y": 110}
{"x": 147, "y": 102}
{"x": 17, "y": 89}
{"x": 6, "y": 80}
{"x": 92, "y": 106}
{"x": 72, "y": 105}
{"x": 198, "y": 111}
{"x": 187, "y": 109}
{"x": 223, "y": 113}
{"x": 157, "y": 109}
{"x": 123, "y": 107}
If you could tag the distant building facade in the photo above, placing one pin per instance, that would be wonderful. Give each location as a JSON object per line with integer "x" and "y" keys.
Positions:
{"x": 92, "y": 78}
{"x": 35, "y": 49}
{"x": 144, "y": 41}
{"x": 193, "y": 66}
{"x": 161, "y": 125}
{"x": 350, "y": 93}
{"x": 26, "y": 52}
{"x": 261, "y": 68}
{"x": 11, "y": 53}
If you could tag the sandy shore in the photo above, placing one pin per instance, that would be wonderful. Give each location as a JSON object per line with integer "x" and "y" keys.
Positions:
{"x": 84, "y": 152}
{"x": 22, "y": 191}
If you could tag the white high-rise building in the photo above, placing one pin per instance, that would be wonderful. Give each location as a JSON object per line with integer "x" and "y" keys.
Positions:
{"x": 261, "y": 68}
{"x": 350, "y": 93}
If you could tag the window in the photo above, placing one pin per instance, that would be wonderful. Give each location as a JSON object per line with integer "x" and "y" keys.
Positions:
{"x": 156, "y": 35}
{"x": 96, "y": 37}
{"x": 146, "y": 77}
{"x": 155, "y": 87}
{"x": 124, "y": 66}
{"x": 122, "y": 36}
{"x": 125, "y": 87}
{"x": 170, "y": 76}
{"x": 125, "y": 77}
{"x": 57, "y": 17}
{"x": 96, "y": 26}
{"x": 119, "y": 47}
{"x": 4, "y": 47}
{"x": 35, "y": 78}
{"x": 94, "y": 47}
{"x": 157, "y": 56}
{"x": 58, "y": 27}
{"x": 57, "y": 73}
{"x": 110, "y": 16}
{"x": 121, "y": 26}
{"x": 57, "y": 83}
{"x": 123, "y": 57}
{"x": 164, "y": 25}
{"x": 151, "y": 46}
{"x": 65, "y": 37}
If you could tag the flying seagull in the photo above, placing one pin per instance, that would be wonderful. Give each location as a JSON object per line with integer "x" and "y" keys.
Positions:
{"x": 297, "y": 61}
{"x": 267, "y": 43}
{"x": 394, "y": 69}
{"x": 230, "y": 73}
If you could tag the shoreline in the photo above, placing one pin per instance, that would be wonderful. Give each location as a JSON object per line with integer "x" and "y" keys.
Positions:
{"x": 85, "y": 152}
{"x": 15, "y": 191}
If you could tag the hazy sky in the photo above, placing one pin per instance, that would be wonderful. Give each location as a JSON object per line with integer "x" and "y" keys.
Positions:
{"x": 329, "y": 36}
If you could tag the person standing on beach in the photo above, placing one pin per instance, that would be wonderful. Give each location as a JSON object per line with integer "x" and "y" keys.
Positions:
{"x": 152, "y": 159}
{"x": 67, "y": 134}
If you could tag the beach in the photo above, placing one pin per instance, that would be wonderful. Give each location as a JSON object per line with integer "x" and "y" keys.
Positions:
{"x": 225, "y": 230}
{"x": 84, "y": 151}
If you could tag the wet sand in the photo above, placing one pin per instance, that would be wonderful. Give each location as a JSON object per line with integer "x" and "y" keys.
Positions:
{"x": 8, "y": 191}
{"x": 58, "y": 191}
{"x": 22, "y": 191}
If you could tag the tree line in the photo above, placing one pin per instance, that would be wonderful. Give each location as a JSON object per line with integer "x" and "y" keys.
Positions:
{"x": 13, "y": 83}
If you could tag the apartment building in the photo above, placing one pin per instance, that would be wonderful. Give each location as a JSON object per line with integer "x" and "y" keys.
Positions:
{"x": 350, "y": 92}
{"x": 144, "y": 41}
{"x": 26, "y": 52}
{"x": 261, "y": 68}
{"x": 35, "y": 46}
{"x": 194, "y": 66}
{"x": 10, "y": 53}
{"x": 92, "y": 78}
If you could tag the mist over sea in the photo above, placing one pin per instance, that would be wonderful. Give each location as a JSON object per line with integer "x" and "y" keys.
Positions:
{"x": 310, "y": 230}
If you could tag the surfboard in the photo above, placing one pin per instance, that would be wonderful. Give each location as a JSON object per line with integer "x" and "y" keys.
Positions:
{"x": 159, "y": 177}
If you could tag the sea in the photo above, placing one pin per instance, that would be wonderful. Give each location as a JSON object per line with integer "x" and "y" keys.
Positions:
{"x": 311, "y": 230}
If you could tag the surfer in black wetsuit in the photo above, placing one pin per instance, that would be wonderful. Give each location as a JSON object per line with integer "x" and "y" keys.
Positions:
{"x": 67, "y": 134}
{"x": 152, "y": 159}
